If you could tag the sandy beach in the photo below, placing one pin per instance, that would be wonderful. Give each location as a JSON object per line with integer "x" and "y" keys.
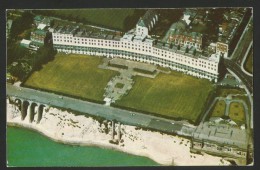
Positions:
{"x": 66, "y": 127}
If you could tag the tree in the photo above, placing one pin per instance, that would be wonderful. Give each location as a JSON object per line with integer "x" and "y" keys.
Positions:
{"x": 44, "y": 54}
{"x": 187, "y": 50}
{"x": 171, "y": 45}
{"x": 194, "y": 52}
{"x": 21, "y": 24}
{"x": 178, "y": 47}
{"x": 17, "y": 71}
{"x": 14, "y": 52}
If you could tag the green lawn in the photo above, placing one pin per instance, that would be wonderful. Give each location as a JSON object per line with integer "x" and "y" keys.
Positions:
{"x": 249, "y": 62}
{"x": 174, "y": 95}
{"x": 245, "y": 98}
{"x": 76, "y": 75}
{"x": 219, "y": 109}
{"x": 237, "y": 113}
{"x": 119, "y": 85}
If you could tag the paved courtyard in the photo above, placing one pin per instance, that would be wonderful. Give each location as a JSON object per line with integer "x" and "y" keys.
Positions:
{"x": 230, "y": 80}
{"x": 113, "y": 92}
{"x": 120, "y": 85}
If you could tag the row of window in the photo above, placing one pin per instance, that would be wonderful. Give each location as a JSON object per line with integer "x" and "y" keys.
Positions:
{"x": 148, "y": 59}
{"x": 187, "y": 42}
{"x": 129, "y": 45}
{"x": 123, "y": 52}
{"x": 177, "y": 57}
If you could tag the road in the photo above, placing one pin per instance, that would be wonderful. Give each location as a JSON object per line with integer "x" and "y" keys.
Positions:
{"x": 243, "y": 42}
{"x": 234, "y": 64}
{"x": 247, "y": 80}
{"x": 238, "y": 55}
{"x": 109, "y": 113}
{"x": 249, "y": 52}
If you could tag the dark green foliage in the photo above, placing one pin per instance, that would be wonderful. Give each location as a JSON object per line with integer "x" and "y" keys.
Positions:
{"x": 144, "y": 71}
{"x": 194, "y": 52}
{"x": 44, "y": 54}
{"x": 21, "y": 24}
{"x": 179, "y": 47}
{"x": 14, "y": 52}
{"x": 117, "y": 66}
{"x": 17, "y": 71}
{"x": 186, "y": 50}
{"x": 27, "y": 61}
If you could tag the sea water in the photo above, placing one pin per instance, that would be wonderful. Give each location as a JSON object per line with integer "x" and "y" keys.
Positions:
{"x": 27, "y": 148}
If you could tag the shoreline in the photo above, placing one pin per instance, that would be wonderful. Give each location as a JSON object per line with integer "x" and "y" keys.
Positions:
{"x": 58, "y": 126}
{"x": 18, "y": 125}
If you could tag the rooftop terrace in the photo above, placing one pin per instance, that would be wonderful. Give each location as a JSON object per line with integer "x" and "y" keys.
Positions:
{"x": 223, "y": 134}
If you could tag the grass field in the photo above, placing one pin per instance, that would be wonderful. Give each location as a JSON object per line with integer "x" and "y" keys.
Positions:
{"x": 225, "y": 92}
{"x": 237, "y": 113}
{"x": 122, "y": 19}
{"x": 75, "y": 75}
{"x": 249, "y": 62}
{"x": 119, "y": 85}
{"x": 174, "y": 95}
{"x": 219, "y": 109}
{"x": 245, "y": 98}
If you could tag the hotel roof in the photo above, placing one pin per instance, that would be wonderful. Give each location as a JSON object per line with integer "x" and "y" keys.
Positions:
{"x": 147, "y": 18}
{"x": 24, "y": 41}
{"x": 40, "y": 32}
{"x": 77, "y": 32}
{"x": 38, "y": 18}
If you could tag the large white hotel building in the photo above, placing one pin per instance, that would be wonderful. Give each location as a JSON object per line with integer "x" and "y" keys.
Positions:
{"x": 138, "y": 46}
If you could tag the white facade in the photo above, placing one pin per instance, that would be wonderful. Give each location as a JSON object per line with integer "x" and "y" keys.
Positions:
{"x": 142, "y": 31}
{"x": 134, "y": 47}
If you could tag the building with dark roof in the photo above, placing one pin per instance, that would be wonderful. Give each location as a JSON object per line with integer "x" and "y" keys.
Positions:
{"x": 228, "y": 29}
{"x": 179, "y": 35}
